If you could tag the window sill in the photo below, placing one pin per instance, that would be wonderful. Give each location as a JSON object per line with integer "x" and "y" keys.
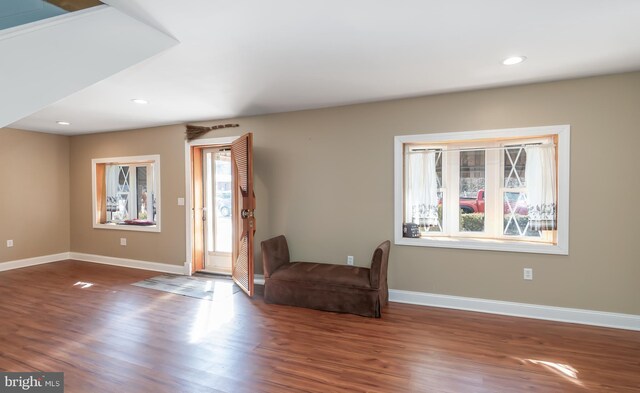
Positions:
{"x": 483, "y": 244}
{"x": 129, "y": 227}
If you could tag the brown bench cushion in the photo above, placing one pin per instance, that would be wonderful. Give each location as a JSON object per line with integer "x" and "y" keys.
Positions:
{"x": 338, "y": 275}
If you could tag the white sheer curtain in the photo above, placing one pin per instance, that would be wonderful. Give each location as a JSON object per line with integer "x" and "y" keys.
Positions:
{"x": 421, "y": 189}
{"x": 114, "y": 210}
{"x": 112, "y": 176}
{"x": 540, "y": 175}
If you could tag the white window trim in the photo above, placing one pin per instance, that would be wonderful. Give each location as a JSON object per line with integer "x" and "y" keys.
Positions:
{"x": 155, "y": 158}
{"x": 564, "y": 151}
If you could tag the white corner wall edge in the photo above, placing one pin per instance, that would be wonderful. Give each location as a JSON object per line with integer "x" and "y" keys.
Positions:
{"x": 550, "y": 313}
{"x": 52, "y": 59}
{"x": 131, "y": 263}
{"x": 20, "y": 263}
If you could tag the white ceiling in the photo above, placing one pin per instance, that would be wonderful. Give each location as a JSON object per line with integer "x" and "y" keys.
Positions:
{"x": 248, "y": 57}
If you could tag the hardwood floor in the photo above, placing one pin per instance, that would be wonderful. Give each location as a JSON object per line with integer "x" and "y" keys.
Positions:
{"x": 114, "y": 337}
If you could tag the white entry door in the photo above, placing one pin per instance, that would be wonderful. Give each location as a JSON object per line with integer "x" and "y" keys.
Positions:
{"x": 218, "y": 228}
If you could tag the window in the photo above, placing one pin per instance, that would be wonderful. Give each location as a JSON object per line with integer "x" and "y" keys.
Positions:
{"x": 126, "y": 193}
{"x": 505, "y": 190}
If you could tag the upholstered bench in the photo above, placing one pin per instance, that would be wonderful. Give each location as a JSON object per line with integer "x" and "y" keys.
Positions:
{"x": 322, "y": 286}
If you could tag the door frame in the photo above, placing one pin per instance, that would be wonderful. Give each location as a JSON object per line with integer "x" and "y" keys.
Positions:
{"x": 210, "y": 257}
{"x": 188, "y": 200}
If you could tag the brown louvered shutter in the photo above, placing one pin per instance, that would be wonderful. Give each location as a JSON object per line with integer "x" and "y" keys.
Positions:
{"x": 244, "y": 205}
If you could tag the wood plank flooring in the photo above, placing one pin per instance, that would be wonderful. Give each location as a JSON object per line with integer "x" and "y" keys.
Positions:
{"x": 114, "y": 337}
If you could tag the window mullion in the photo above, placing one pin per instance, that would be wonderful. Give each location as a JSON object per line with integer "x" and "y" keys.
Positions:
{"x": 133, "y": 192}
{"x": 493, "y": 197}
{"x": 453, "y": 194}
{"x": 157, "y": 213}
{"x": 150, "y": 193}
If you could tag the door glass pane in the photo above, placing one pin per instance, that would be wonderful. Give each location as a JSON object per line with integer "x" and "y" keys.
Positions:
{"x": 209, "y": 202}
{"x": 223, "y": 209}
{"x": 472, "y": 198}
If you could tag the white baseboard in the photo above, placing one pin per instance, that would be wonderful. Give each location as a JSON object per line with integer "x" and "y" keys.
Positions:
{"x": 132, "y": 263}
{"x": 33, "y": 261}
{"x": 560, "y": 314}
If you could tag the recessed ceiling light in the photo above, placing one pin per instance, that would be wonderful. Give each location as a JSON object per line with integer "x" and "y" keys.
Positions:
{"x": 63, "y": 123}
{"x": 514, "y": 60}
{"x": 139, "y": 101}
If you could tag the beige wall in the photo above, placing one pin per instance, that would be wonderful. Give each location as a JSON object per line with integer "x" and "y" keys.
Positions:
{"x": 34, "y": 194}
{"x": 167, "y": 246}
{"x": 325, "y": 179}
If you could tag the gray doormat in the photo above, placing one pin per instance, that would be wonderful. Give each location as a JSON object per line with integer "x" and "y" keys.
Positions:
{"x": 201, "y": 286}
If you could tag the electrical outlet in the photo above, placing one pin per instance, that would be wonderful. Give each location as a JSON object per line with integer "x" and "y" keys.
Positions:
{"x": 123, "y": 241}
{"x": 180, "y": 201}
{"x": 350, "y": 260}
{"x": 528, "y": 273}
{"x": 9, "y": 243}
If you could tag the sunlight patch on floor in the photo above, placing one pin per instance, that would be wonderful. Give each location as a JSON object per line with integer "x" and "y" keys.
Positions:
{"x": 83, "y": 285}
{"x": 564, "y": 370}
{"x": 215, "y": 314}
